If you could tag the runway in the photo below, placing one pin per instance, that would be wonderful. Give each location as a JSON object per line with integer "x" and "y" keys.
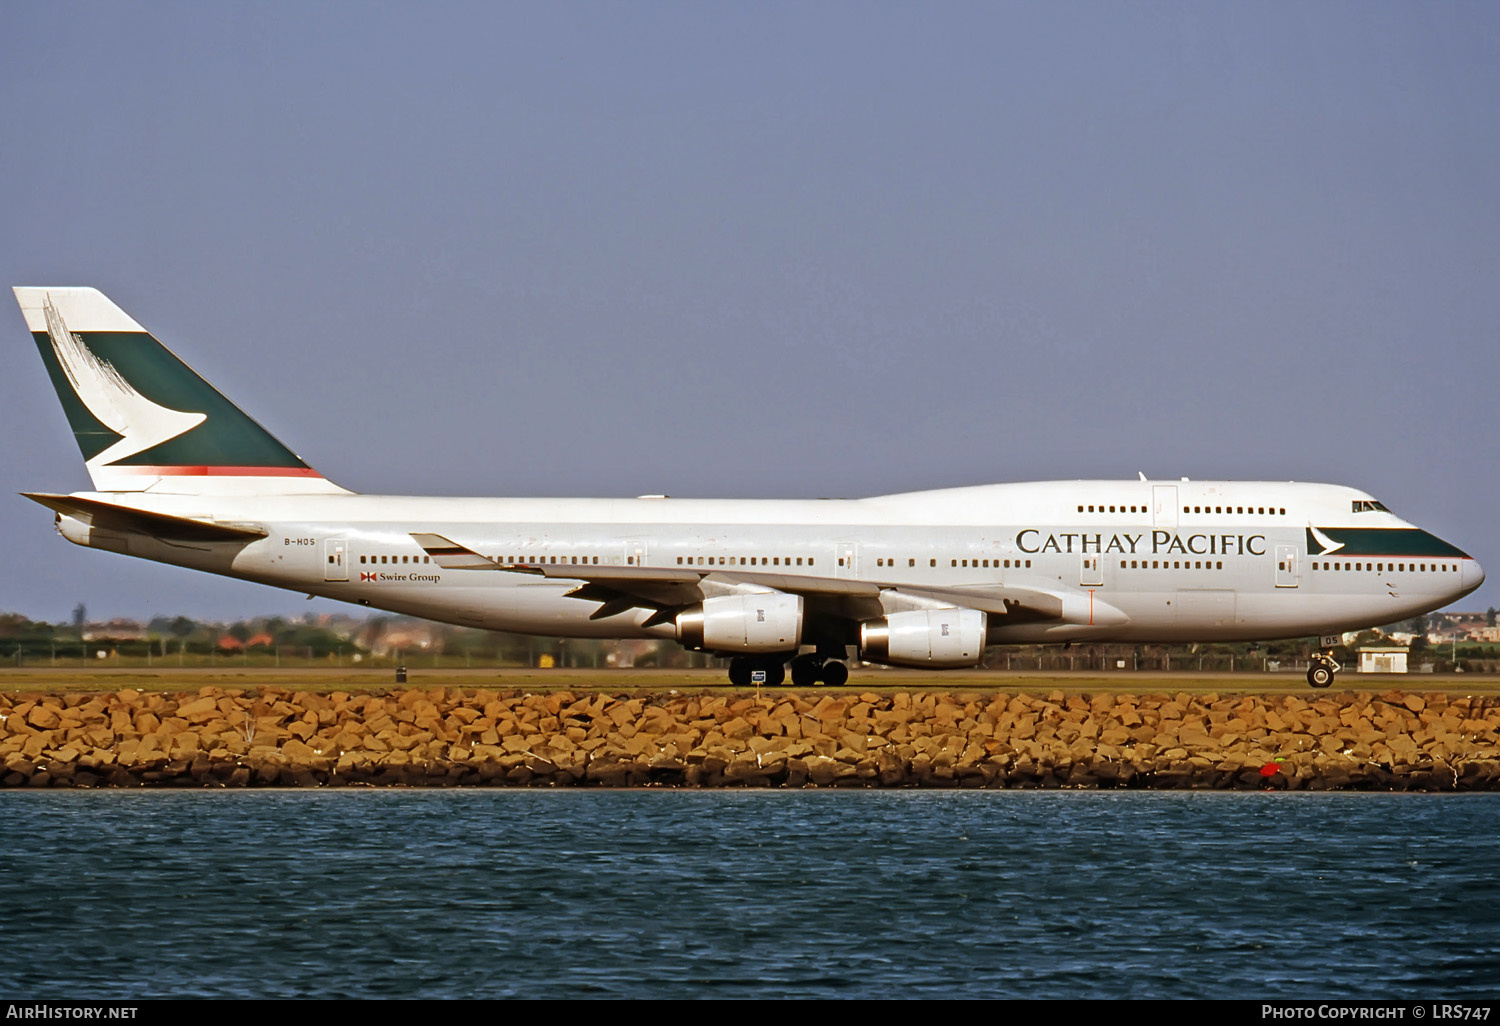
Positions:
{"x": 876, "y": 679}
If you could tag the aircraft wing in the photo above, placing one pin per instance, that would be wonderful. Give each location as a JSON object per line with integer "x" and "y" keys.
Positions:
{"x": 666, "y": 589}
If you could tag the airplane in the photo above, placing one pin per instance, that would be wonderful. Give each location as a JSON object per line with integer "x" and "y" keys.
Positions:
{"x": 923, "y": 579}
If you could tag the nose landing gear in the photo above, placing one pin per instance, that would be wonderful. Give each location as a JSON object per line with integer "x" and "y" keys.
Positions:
{"x": 1321, "y": 670}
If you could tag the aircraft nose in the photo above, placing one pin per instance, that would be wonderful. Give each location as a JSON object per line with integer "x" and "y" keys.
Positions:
{"x": 1473, "y": 574}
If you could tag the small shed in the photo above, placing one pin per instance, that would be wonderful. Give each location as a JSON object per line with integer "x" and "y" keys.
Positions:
{"x": 1382, "y": 659}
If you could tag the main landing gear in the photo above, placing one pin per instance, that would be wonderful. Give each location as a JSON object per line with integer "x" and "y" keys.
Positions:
{"x": 1321, "y": 670}
{"x": 741, "y": 668}
{"x": 811, "y": 669}
{"x": 806, "y": 670}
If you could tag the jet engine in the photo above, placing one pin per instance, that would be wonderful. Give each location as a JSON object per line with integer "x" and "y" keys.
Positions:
{"x": 925, "y": 638}
{"x": 762, "y": 622}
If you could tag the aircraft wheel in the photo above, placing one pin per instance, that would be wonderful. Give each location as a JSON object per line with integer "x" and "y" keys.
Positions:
{"x": 804, "y": 672}
{"x": 775, "y": 674}
{"x": 1319, "y": 676}
{"x": 739, "y": 672}
{"x": 835, "y": 673}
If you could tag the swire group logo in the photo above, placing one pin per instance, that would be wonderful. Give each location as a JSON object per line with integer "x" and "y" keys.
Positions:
{"x": 368, "y": 577}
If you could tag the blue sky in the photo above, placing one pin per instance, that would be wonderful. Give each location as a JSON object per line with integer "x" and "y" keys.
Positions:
{"x": 767, "y": 249}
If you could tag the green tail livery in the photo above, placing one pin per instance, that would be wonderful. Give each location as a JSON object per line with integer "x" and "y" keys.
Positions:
{"x": 143, "y": 419}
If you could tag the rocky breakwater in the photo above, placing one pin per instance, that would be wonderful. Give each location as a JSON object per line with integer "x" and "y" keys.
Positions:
{"x": 452, "y": 736}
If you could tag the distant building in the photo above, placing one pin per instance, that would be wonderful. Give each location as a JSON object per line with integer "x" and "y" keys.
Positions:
{"x": 229, "y": 643}
{"x": 118, "y": 629}
{"x": 416, "y": 637}
{"x": 1382, "y": 659}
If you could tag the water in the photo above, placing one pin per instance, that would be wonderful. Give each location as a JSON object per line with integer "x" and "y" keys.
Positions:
{"x": 484, "y": 893}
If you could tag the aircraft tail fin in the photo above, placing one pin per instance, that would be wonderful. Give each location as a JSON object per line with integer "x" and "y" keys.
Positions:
{"x": 142, "y": 418}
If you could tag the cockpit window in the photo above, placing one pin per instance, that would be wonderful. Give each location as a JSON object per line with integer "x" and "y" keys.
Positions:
{"x": 1369, "y": 506}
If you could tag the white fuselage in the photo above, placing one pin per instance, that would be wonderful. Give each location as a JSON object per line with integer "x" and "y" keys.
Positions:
{"x": 1129, "y": 560}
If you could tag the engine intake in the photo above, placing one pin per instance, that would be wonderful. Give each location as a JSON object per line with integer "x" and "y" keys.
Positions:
{"x": 939, "y": 638}
{"x": 763, "y": 622}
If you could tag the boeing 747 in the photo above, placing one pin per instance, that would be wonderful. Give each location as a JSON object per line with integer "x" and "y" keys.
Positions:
{"x": 923, "y": 579}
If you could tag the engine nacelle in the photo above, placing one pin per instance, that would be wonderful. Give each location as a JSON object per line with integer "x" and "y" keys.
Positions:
{"x": 768, "y": 622}
{"x": 941, "y": 638}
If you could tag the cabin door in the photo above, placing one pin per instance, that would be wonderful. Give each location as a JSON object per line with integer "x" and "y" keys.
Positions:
{"x": 1286, "y": 566}
{"x": 335, "y": 559}
{"x": 845, "y": 561}
{"x": 1091, "y": 571}
{"x": 635, "y": 552}
{"x": 1164, "y": 507}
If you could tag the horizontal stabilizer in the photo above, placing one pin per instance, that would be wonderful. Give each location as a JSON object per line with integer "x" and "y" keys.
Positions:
{"x": 138, "y": 521}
